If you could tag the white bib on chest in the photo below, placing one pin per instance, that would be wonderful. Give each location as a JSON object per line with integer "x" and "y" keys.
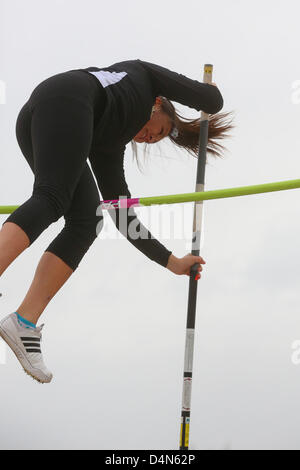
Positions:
{"x": 108, "y": 78}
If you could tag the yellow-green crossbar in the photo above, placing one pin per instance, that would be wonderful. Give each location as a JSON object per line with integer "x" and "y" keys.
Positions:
{"x": 205, "y": 195}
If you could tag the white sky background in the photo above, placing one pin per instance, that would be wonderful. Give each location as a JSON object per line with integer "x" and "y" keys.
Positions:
{"x": 115, "y": 333}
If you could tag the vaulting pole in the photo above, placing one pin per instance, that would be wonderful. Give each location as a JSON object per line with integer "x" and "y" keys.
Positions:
{"x": 192, "y": 297}
{"x": 189, "y": 197}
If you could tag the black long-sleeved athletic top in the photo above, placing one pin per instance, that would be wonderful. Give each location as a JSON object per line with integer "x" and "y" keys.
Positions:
{"x": 131, "y": 88}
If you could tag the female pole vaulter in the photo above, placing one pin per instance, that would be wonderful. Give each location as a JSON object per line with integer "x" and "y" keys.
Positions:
{"x": 91, "y": 114}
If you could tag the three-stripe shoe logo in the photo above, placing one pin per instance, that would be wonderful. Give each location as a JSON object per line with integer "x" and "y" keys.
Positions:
{"x": 31, "y": 344}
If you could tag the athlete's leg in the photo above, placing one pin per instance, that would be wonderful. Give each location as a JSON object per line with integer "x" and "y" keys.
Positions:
{"x": 50, "y": 275}
{"x": 61, "y": 128}
{"x": 55, "y": 139}
{"x": 13, "y": 240}
{"x": 66, "y": 251}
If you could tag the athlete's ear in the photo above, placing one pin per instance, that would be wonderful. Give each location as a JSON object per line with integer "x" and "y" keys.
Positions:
{"x": 156, "y": 106}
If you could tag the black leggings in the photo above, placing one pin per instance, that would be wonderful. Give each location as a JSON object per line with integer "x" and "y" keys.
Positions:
{"x": 55, "y": 132}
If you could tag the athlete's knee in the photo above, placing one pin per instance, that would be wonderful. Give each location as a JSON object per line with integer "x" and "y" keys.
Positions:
{"x": 55, "y": 199}
{"x": 87, "y": 227}
{"x": 45, "y": 206}
{"x": 76, "y": 238}
{"x": 82, "y": 228}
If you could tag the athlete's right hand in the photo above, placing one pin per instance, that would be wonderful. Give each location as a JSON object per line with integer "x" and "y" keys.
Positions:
{"x": 183, "y": 265}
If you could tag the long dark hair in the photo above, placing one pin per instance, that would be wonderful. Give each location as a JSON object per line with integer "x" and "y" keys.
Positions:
{"x": 188, "y": 131}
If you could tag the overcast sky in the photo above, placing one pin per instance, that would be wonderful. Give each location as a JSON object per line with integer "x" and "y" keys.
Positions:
{"x": 114, "y": 335}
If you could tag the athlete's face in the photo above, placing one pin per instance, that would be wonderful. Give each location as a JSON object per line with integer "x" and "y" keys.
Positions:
{"x": 157, "y": 128}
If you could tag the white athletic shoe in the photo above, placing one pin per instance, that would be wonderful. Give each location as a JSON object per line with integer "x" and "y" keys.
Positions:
{"x": 26, "y": 344}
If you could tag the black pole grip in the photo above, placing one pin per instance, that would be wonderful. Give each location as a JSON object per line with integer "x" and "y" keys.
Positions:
{"x": 194, "y": 271}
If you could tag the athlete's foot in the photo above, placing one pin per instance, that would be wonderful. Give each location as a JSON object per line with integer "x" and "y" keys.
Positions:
{"x": 25, "y": 342}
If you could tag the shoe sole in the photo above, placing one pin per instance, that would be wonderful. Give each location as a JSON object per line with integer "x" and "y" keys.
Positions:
{"x": 20, "y": 355}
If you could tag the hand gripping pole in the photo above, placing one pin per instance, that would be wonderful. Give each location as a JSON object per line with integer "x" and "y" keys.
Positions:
{"x": 192, "y": 296}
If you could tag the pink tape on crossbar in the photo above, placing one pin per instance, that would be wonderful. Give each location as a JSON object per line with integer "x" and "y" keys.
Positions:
{"x": 119, "y": 203}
